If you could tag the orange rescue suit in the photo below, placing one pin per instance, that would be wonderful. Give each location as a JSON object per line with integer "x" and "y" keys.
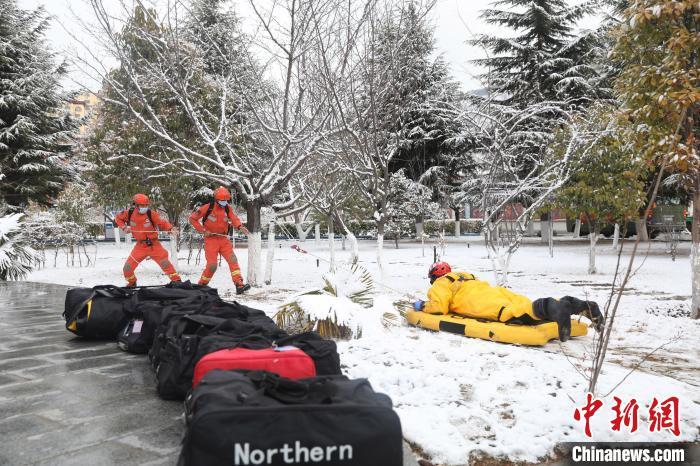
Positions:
{"x": 462, "y": 293}
{"x": 144, "y": 232}
{"x": 215, "y": 228}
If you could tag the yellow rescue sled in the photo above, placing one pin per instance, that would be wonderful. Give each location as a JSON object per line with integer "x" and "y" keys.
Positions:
{"x": 531, "y": 335}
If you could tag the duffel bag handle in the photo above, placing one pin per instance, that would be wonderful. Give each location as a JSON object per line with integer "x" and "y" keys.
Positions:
{"x": 291, "y": 391}
{"x": 228, "y": 324}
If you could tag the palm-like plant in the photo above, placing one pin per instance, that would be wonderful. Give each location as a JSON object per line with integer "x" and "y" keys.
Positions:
{"x": 332, "y": 310}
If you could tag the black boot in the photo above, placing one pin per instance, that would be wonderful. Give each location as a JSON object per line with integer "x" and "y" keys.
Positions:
{"x": 242, "y": 289}
{"x": 555, "y": 311}
{"x": 588, "y": 309}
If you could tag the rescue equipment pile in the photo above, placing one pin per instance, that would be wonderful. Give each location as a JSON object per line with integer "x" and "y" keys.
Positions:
{"x": 254, "y": 394}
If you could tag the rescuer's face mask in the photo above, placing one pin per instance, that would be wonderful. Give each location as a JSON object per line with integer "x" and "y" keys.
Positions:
{"x": 143, "y": 210}
{"x": 223, "y": 203}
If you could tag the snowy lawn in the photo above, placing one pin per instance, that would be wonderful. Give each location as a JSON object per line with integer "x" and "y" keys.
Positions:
{"x": 459, "y": 397}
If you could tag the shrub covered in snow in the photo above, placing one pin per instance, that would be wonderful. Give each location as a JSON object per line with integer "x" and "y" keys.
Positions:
{"x": 16, "y": 258}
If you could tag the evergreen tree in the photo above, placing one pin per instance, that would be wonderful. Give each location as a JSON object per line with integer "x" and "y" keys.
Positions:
{"x": 417, "y": 109}
{"x": 118, "y": 136}
{"x": 545, "y": 60}
{"x": 35, "y": 133}
{"x": 407, "y": 199}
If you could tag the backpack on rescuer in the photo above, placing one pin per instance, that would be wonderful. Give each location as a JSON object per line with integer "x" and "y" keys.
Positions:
{"x": 210, "y": 207}
{"x": 131, "y": 211}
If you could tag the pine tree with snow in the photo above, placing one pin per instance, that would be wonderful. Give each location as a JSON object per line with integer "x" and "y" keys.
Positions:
{"x": 35, "y": 133}
{"x": 542, "y": 59}
{"x": 121, "y": 150}
{"x": 407, "y": 200}
{"x": 417, "y": 107}
{"x": 16, "y": 257}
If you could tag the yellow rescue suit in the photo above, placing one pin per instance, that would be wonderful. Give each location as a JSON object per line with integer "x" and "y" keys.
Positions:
{"x": 462, "y": 293}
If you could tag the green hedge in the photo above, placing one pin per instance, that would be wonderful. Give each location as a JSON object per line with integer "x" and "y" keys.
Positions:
{"x": 434, "y": 227}
{"x": 367, "y": 228}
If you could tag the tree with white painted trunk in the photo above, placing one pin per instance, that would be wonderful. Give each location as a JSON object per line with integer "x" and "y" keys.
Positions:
{"x": 607, "y": 184}
{"x": 382, "y": 86}
{"x": 323, "y": 187}
{"x": 511, "y": 186}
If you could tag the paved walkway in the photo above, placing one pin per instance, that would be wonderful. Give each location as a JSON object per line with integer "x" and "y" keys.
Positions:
{"x": 68, "y": 401}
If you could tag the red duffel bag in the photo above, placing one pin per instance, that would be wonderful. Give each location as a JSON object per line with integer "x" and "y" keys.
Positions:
{"x": 287, "y": 361}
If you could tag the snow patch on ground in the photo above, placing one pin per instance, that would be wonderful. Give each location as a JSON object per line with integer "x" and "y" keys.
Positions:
{"x": 458, "y": 396}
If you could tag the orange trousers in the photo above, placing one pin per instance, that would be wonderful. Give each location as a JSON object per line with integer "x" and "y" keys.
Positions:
{"x": 156, "y": 252}
{"x": 213, "y": 246}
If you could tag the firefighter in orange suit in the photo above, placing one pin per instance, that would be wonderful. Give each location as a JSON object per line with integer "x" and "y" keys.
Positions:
{"x": 213, "y": 219}
{"x": 144, "y": 224}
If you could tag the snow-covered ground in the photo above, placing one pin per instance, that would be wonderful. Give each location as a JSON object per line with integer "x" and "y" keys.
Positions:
{"x": 459, "y": 397}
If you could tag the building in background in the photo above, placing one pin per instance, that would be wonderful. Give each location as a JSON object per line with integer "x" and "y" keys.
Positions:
{"x": 84, "y": 106}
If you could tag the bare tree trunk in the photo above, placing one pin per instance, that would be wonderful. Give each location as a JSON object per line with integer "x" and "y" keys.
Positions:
{"x": 593, "y": 237}
{"x": 550, "y": 242}
{"x": 331, "y": 243}
{"x": 117, "y": 234}
{"x": 544, "y": 228}
{"x": 380, "y": 248}
{"x": 317, "y": 234}
{"x": 302, "y": 232}
{"x": 458, "y": 227}
{"x": 269, "y": 259}
{"x": 641, "y": 224}
{"x": 616, "y": 236}
{"x": 354, "y": 250}
{"x": 254, "y": 243}
{"x": 695, "y": 252}
{"x": 419, "y": 229}
{"x": 577, "y": 228}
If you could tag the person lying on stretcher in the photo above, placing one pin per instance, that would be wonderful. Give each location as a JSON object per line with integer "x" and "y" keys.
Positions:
{"x": 462, "y": 293}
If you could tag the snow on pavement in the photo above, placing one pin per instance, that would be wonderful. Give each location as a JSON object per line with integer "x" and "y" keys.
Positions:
{"x": 459, "y": 397}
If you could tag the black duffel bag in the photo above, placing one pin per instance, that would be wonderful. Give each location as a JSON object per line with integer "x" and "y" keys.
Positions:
{"x": 219, "y": 309}
{"x": 147, "y": 316}
{"x": 323, "y": 352}
{"x": 180, "y": 352}
{"x": 101, "y": 312}
{"x": 98, "y": 312}
{"x": 244, "y": 418}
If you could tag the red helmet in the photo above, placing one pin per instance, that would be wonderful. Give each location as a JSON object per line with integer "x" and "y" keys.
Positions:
{"x": 141, "y": 199}
{"x": 222, "y": 194}
{"x": 437, "y": 270}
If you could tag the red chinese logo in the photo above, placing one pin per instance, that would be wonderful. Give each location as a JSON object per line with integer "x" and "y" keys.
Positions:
{"x": 663, "y": 415}
{"x": 627, "y": 416}
{"x": 667, "y": 418}
{"x": 592, "y": 405}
